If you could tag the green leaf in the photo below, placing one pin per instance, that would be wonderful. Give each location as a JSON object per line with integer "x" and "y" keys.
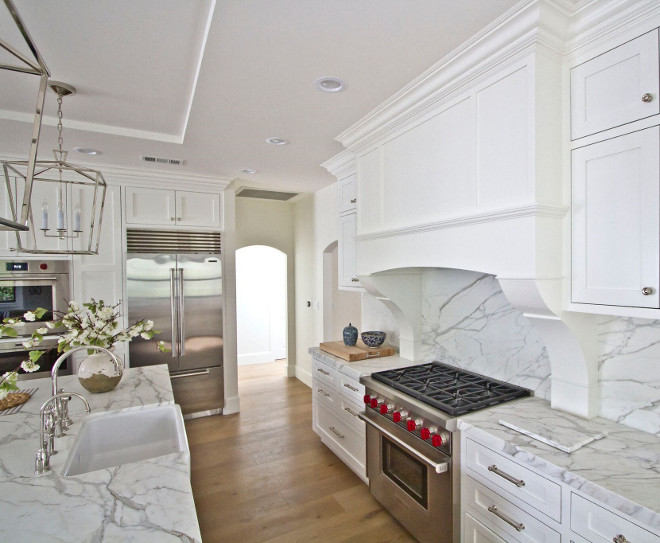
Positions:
{"x": 9, "y": 332}
{"x": 40, "y": 312}
{"x": 35, "y": 355}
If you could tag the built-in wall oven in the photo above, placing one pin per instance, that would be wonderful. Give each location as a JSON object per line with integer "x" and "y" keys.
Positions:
{"x": 412, "y": 452}
{"x": 24, "y": 286}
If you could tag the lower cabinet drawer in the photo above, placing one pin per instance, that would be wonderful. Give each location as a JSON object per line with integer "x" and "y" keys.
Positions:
{"x": 475, "y": 532}
{"x": 352, "y": 443}
{"x": 350, "y": 387}
{"x": 350, "y": 411}
{"x": 324, "y": 392}
{"x": 598, "y": 525}
{"x": 526, "y": 485}
{"x": 508, "y": 520}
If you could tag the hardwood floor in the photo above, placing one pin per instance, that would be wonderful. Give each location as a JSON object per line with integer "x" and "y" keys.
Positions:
{"x": 263, "y": 475}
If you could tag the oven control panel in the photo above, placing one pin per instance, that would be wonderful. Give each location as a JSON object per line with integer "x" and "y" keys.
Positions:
{"x": 425, "y": 430}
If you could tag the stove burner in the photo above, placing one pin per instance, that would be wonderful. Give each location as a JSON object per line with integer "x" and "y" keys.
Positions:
{"x": 450, "y": 389}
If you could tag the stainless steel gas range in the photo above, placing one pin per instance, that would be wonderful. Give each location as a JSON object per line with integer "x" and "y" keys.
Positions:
{"x": 411, "y": 414}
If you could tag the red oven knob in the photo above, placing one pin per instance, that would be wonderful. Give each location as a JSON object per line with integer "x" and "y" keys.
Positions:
{"x": 374, "y": 403}
{"x": 383, "y": 408}
{"x": 440, "y": 439}
{"x": 425, "y": 433}
{"x": 367, "y": 399}
{"x": 396, "y": 416}
{"x": 412, "y": 424}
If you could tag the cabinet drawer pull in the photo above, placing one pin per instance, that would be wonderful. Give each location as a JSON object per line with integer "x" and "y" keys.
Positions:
{"x": 620, "y": 539}
{"x": 173, "y": 219}
{"x": 647, "y": 291}
{"x": 340, "y": 436}
{"x": 497, "y": 471}
{"x": 349, "y": 387}
{"x": 350, "y": 411}
{"x": 322, "y": 392}
{"x": 517, "y": 525}
{"x": 648, "y": 97}
{"x": 354, "y": 279}
{"x": 354, "y": 200}
{"x": 323, "y": 371}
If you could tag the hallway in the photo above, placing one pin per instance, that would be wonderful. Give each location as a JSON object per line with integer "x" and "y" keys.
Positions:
{"x": 263, "y": 475}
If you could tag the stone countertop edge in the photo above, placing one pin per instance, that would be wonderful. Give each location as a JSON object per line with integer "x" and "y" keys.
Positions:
{"x": 621, "y": 470}
{"x": 361, "y": 368}
{"x": 144, "y": 501}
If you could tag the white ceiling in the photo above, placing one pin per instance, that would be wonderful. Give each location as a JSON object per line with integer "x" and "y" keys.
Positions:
{"x": 207, "y": 81}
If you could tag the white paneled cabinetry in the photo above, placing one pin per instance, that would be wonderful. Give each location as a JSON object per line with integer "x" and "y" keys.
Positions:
{"x": 335, "y": 406}
{"x": 347, "y": 244}
{"x": 616, "y": 178}
{"x": 504, "y": 500}
{"x": 170, "y": 208}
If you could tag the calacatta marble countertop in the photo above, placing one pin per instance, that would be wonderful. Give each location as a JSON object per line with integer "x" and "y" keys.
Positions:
{"x": 361, "y": 368}
{"x": 621, "y": 470}
{"x": 143, "y": 501}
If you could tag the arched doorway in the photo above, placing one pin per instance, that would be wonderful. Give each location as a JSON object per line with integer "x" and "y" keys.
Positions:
{"x": 261, "y": 305}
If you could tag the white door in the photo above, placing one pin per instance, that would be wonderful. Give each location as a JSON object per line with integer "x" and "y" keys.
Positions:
{"x": 615, "y": 88}
{"x": 615, "y": 221}
{"x": 150, "y": 206}
{"x": 348, "y": 252}
{"x": 198, "y": 209}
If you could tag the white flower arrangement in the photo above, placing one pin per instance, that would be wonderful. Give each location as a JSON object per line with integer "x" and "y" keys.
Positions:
{"x": 93, "y": 323}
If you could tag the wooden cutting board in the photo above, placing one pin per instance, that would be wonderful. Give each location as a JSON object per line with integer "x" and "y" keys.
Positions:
{"x": 357, "y": 352}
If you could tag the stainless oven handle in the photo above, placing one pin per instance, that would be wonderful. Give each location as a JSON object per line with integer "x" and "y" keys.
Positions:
{"x": 439, "y": 468}
{"x": 26, "y": 281}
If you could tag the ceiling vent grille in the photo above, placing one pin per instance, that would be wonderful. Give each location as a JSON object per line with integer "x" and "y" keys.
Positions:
{"x": 161, "y": 160}
{"x": 266, "y": 194}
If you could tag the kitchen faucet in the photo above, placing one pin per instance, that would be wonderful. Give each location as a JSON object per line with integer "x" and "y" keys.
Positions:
{"x": 61, "y": 411}
{"x": 47, "y": 430}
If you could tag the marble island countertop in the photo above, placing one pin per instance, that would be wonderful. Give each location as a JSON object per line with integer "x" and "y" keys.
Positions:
{"x": 621, "y": 470}
{"x": 144, "y": 501}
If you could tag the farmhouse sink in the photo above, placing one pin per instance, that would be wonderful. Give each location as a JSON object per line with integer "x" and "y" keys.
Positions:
{"x": 111, "y": 439}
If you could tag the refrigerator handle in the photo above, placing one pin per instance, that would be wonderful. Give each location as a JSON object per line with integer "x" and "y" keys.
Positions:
{"x": 182, "y": 317}
{"x": 175, "y": 345}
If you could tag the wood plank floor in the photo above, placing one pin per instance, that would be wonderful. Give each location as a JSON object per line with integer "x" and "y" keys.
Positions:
{"x": 263, "y": 475}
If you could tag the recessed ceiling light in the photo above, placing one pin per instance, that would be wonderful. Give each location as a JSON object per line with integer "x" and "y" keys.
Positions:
{"x": 87, "y": 150}
{"x": 248, "y": 170}
{"x": 329, "y": 84}
{"x": 277, "y": 141}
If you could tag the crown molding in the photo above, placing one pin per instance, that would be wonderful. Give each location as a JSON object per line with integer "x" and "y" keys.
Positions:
{"x": 503, "y": 214}
{"x": 505, "y": 41}
{"x": 341, "y": 165}
{"x": 118, "y": 175}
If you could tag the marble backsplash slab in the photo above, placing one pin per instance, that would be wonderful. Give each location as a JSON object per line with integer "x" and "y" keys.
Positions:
{"x": 629, "y": 367}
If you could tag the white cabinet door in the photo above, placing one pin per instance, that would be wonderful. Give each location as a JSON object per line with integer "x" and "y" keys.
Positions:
{"x": 198, "y": 209}
{"x": 615, "y": 221}
{"x": 615, "y": 88}
{"x": 475, "y": 532}
{"x": 150, "y": 206}
{"x": 347, "y": 252}
{"x": 347, "y": 194}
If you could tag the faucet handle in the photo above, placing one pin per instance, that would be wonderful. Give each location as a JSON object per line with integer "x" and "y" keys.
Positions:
{"x": 41, "y": 462}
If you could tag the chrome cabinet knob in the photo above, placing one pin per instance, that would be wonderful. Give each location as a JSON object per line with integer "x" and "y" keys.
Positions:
{"x": 173, "y": 218}
{"x": 620, "y": 539}
{"x": 355, "y": 279}
{"x": 354, "y": 200}
{"x": 648, "y": 97}
{"x": 647, "y": 291}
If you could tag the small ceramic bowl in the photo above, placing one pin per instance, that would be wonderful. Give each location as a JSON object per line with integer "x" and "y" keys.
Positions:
{"x": 373, "y": 338}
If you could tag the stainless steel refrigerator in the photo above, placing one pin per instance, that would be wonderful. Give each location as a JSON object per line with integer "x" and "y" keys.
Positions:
{"x": 181, "y": 292}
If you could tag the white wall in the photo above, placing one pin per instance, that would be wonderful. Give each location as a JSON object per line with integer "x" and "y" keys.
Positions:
{"x": 316, "y": 227}
{"x": 261, "y": 304}
{"x": 340, "y": 307}
{"x": 271, "y": 223}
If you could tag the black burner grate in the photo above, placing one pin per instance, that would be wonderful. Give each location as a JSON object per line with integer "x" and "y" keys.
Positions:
{"x": 450, "y": 389}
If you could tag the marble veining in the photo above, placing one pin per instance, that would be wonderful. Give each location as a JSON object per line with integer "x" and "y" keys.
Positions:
{"x": 468, "y": 322}
{"x": 629, "y": 368}
{"x": 622, "y": 470}
{"x": 144, "y": 501}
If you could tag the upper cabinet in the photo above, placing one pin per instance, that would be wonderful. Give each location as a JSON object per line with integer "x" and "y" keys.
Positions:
{"x": 615, "y": 88}
{"x": 616, "y": 180}
{"x": 616, "y": 221}
{"x": 347, "y": 194}
{"x": 170, "y": 208}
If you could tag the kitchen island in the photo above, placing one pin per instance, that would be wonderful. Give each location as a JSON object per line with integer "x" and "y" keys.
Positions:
{"x": 145, "y": 501}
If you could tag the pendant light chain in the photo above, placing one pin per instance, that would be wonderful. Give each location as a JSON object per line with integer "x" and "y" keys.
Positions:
{"x": 60, "y": 139}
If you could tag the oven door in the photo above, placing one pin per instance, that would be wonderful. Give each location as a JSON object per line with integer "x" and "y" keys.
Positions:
{"x": 414, "y": 485}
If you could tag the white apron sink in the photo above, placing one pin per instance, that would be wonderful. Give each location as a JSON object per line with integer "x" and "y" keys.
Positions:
{"x": 110, "y": 439}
